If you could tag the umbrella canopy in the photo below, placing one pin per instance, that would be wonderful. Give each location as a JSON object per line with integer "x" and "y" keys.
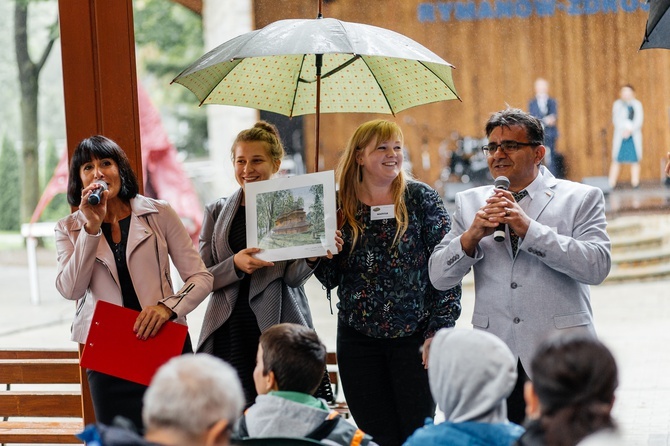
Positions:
{"x": 298, "y": 67}
{"x": 657, "y": 33}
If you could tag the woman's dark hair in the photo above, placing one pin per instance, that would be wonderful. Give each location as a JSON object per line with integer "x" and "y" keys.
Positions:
{"x": 574, "y": 377}
{"x": 296, "y": 356}
{"x": 100, "y": 147}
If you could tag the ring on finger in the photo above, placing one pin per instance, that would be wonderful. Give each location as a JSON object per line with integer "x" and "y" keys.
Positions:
{"x": 507, "y": 212}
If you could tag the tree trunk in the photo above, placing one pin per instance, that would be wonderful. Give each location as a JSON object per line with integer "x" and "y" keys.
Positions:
{"x": 29, "y": 80}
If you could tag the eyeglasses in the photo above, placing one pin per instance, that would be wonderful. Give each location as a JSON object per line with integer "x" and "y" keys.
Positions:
{"x": 506, "y": 146}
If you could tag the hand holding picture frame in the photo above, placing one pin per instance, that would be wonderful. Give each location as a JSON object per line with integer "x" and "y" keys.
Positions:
{"x": 292, "y": 218}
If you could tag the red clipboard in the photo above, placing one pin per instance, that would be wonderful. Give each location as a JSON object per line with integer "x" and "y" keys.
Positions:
{"x": 113, "y": 348}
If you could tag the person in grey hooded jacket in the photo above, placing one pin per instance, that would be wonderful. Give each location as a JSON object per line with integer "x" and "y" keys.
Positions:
{"x": 289, "y": 366}
{"x": 471, "y": 373}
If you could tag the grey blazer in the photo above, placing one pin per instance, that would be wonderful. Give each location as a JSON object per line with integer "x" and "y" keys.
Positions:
{"x": 276, "y": 293}
{"x": 546, "y": 287}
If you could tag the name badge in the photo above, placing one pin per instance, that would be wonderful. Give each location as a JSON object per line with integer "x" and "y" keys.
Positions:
{"x": 382, "y": 212}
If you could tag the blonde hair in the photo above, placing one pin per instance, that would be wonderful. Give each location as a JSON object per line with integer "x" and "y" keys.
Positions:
{"x": 349, "y": 176}
{"x": 265, "y": 132}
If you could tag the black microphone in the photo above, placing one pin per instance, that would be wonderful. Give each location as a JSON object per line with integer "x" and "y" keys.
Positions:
{"x": 94, "y": 198}
{"x": 500, "y": 183}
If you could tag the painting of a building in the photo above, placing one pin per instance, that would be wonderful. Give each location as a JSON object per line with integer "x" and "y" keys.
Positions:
{"x": 292, "y": 222}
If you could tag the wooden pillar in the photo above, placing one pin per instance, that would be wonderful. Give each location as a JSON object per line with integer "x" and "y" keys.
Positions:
{"x": 100, "y": 87}
{"x": 99, "y": 74}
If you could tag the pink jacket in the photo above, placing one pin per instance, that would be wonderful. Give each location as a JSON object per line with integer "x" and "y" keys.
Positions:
{"x": 87, "y": 270}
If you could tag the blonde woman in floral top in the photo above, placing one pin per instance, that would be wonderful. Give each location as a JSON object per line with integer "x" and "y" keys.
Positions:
{"x": 388, "y": 308}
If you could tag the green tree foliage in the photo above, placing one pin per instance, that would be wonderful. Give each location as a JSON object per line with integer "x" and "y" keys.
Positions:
{"x": 271, "y": 205}
{"x": 59, "y": 207}
{"x": 169, "y": 38}
{"x": 51, "y": 159}
{"x": 174, "y": 32}
{"x": 316, "y": 213}
{"x": 10, "y": 198}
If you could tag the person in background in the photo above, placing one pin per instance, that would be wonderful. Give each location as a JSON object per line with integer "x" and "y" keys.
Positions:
{"x": 627, "y": 117}
{"x": 536, "y": 280}
{"x": 119, "y": 251}
{"x": 289, "y": 368}
{"x": 387, "y": 307}
{"x": 572, "y": 393}
{"x": 250, "y": 295}
{"x": 471, "y": 372}
{"x": 192, "y": 400}
{"x": 545, "y": 108}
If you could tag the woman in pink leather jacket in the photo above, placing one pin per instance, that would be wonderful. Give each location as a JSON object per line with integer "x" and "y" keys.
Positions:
{"x": 117, "y": 251}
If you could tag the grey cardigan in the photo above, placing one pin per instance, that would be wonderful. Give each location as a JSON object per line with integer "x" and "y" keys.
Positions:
{"x": 276, "y": 293}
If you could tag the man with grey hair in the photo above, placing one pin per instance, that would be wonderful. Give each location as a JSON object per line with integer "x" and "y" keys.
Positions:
{"x": 192, "y": 400}
{"x": 534, "y": 277}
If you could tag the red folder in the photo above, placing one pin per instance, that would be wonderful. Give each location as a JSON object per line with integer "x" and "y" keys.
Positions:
{"x": 113, "y": 348}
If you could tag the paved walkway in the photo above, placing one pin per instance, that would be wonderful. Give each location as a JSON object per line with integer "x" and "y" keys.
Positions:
{"x": 632, "y": 319}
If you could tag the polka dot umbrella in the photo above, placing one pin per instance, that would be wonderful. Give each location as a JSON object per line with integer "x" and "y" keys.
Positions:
{"x": 657, "y": 31}
{"x": 323, "y": 65}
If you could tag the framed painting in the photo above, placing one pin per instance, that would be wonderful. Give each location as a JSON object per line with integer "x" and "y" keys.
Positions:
{"x": 293, "y": 217}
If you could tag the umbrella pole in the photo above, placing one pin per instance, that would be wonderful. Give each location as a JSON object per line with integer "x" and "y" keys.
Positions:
{"x": 319, "y": 63}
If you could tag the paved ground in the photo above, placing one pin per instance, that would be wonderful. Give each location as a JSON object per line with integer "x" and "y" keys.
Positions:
{"x": 632, "y": 319}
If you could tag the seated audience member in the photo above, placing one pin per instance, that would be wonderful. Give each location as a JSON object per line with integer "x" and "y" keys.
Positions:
{"x": 471, "y": 373}
{"x": 289, "y": 367}
{"x": 192, "y": 400}
{"x": 572, "y": 393}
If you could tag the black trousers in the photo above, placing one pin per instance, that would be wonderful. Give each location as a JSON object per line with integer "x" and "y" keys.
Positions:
{"x": 114, "y": 396}
{"x": 385, "y": 384}
{"x": 516, "y": 404}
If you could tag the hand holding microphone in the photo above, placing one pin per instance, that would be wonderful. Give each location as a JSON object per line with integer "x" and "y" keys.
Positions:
{"x": 499, "y": 234}
{"x": 96, "y": 195}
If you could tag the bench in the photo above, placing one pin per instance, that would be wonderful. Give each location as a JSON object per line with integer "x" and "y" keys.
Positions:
{"x": 46, "y": 413}
{"x": 340, "y": 404}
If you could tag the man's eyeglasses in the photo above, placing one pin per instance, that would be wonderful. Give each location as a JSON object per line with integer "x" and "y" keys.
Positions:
{"x": 506, "y": 146}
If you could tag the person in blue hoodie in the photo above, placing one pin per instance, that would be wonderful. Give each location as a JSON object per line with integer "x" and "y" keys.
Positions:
{"x": 471, "y": 373}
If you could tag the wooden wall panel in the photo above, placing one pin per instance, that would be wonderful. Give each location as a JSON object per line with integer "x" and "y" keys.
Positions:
{"x": 585, "y": 56}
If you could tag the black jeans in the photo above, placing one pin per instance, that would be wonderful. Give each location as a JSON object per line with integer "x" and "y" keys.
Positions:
{"x": 385, "y": 384}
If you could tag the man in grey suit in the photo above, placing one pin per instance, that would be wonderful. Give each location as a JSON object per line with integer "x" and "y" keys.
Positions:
{"x": 537, "y": 280}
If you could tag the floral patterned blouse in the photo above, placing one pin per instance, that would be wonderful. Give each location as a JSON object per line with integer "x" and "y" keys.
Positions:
{"x": 384, "y": 290}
